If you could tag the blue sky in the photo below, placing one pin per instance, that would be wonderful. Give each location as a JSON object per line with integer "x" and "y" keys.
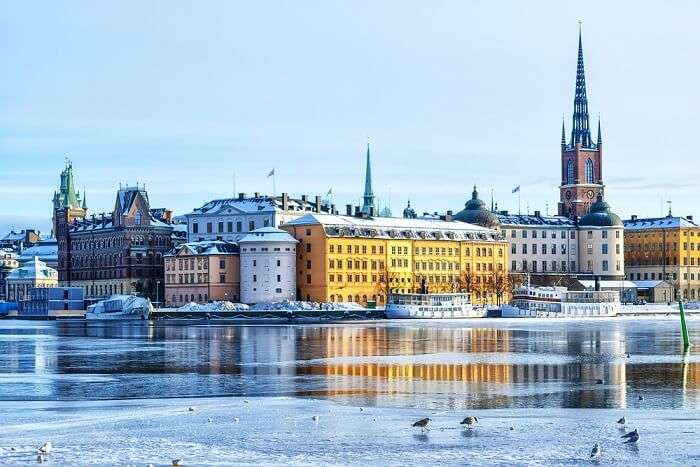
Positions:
{"x": 182, "y": 95}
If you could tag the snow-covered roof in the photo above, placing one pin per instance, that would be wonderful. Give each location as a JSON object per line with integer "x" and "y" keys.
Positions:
{"x": 35, "y": 269}
{"x": 658, "y": 223}
{"x": 46, "y": 250}
{"x": 257, "y": 204}
{"x": 90, "y": 224}
{"x": 206, "y": 247}
{"x": 268, "y": 234}
{"x": 396, "y": 227}
{"x": 13, "y": 236}
{"x": 512, "y": 220}
{"x": 589, "y": 284}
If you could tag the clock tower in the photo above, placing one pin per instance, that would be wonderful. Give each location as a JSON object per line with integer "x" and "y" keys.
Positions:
{"x": 581, "y": 159}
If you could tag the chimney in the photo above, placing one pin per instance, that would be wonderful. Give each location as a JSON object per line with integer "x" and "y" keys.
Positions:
{"x": 348, "y": 209}
{"x": 538, "y": 214}
{"x": 304, "y": 200}
{"x": 103, "y": 219}
{"x": 285, "y": 201}
{"x": 333, "y": 211}
{"x": 634, "y": 217}
{"x": 257, "y": 195}
{"x": 357, "y": 211}
{"x": 448, "y": 217}
{"x": 597, "y": 283}
{"x": 241, "y": 196}
{"x": 371, "y": 211}
{"x": 318, "y": 204}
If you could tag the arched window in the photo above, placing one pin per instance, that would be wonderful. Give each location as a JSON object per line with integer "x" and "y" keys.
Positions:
{"x": 589, "y": 171}
{"x": 570, "y": 172}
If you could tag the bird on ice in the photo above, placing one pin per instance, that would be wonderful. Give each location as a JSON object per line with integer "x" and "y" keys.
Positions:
{"x": 177, "y": 462}
{"x": 640, "y": 398}
{"x": 236, "y": 419}
{"x": 190, "y": 409}
{"x": 470, "y": 422}
{"x": 423, "y": 424}
{"x": 45, "y": 448}
{"x": 622, "y": 422}
{"x": 632, "y": 436}
{"x": 596, "y": 451}
{"x": 315, "y": 418}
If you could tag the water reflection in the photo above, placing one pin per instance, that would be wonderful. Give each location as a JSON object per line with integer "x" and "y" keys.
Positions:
{"x": 553, "y": 365}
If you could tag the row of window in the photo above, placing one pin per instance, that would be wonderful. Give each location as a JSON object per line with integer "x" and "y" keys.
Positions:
{"x": 590, "y": 175}
{"x": 227, "y": 226}
{"x": 403, "y": 250}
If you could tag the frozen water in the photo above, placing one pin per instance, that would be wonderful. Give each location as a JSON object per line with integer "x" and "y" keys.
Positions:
{"x": 118, "y": 393}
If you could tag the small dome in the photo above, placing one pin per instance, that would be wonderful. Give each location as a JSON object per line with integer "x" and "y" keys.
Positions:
{"x": 475, "y": 212}
{"x": 600, "y": 215}
{"x": 409, "y": 212}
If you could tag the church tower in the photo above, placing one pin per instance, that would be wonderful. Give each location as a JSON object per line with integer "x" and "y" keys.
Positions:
{"x": 67, "y": 208}
{"x": 368, "y": 206}
{"x": 581, "y": 159}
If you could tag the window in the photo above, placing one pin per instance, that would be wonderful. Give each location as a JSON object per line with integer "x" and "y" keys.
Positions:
{"x": 308, "y": 232}
{"x": 221, "y": 226}
{"x": 209, "y": 227}
{"x": 222, "y": 264}
{"x": 604, "y": 233}
{"x": 279, "y": 278}
{"x": 255, "y": 278}
{"x": 239, "y": 226}
{"x": 570, "y": 172}
{"x": 308, "y": 247}
{"x": 279, "y": 263}
{"x": 605, "y": 248}
{"x": 229, "y": 226}
{"x": 605, "y": 265}
{"x": 308, "y": 264}
{"x": 589, "y": 171}
{"x": 222, "y": 278}
{"x": 251, "y": 225}
{"x": 195, "y": 229}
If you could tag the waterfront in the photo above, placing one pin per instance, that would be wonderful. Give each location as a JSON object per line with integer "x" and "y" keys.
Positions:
{"x": 104, "y": 390}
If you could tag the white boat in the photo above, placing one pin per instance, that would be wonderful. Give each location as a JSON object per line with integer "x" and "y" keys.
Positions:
{"x": 558, "y": 302}
{"x": 122, "y": 307}
{"x": 431, "y": 306}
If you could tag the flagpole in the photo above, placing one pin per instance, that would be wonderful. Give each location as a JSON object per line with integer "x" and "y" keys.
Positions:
{"x": 518, "y": 200}
{"x": 274, "y": 185}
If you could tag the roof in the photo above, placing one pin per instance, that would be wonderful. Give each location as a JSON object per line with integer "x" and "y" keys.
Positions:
{"x": 668, "y": 222}
{"x": 396, "y": 227}
{"x": 475, "y": 212}
{"x": 268, "y": 234}
{"x": 258, "y": 204}
{"x": 600, "y": 215}
{"x": 589, "y": 284}
{"x": 46, "y": 250}
{"x": 207, "y": 247}
{"x": 35, "y": 269}
{"x": 533, "y": 220}
{"x": 13, "y": 236}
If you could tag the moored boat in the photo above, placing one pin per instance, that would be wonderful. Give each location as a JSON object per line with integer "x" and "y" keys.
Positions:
{"x": 120, "y": 307}
{"x": 431, "y": 306}
{"x": 558, "y": 302}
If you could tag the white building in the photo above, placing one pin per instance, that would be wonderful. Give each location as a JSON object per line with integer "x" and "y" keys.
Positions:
{"x": 33, "y": 274}
{"x": 601, "y": 242}
{"x": 231, "y": 219}
{"x": 268, "y": 266}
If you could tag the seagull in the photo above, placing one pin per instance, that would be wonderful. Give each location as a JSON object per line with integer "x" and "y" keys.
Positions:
{"x": 209, "y": 420}
{"x": 471, "y": 422}
{"x": 177, "y": 462}
{"x": 246, "y": 401}
{"x": 190, "y": 409}
{"x": 423, "y": 423}
{"x": 45, "y": 448}
{"x": 628, "y": 355}
{"x": 512, "y": 428}
{"x": 632, "y": 436}
{"x": 236, "y": 419}
{"x": 622, "y": 422}
{"x": 315, "y": 418}
{"x": 362, "y": 409}
{"x": 596, "y": 451}
{"x": 640, "y": 398}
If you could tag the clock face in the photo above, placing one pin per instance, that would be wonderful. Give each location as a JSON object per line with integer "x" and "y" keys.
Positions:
{"x": 590, "y": 194}
{"x": 568, "y": 194}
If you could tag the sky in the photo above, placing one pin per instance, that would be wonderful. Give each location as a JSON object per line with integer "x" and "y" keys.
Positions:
{"x": 187, "y": 97}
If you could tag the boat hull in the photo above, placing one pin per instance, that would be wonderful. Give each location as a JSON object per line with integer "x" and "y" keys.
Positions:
{"x": 411, "y": 312}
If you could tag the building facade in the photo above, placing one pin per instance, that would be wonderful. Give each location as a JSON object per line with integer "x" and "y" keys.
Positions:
{"x": 201, "y": 272}
{"x": 667, "y": 249}
{"x": 116, "y": 253}
{"x": 361, "y": 259}
{"x": 581, "y": 159}
{"x": 68, "y": 205}
{"x": 231, "y": 219}
{"x": 33, "y": 274}
{"x": 8, "y": 263}
{"x": 268, "y": 266}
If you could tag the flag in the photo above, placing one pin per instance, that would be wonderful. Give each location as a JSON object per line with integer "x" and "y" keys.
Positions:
{"x": 330, "y": 191}
{"x": 272, "y": 173}
{"x": 516, "y": 189}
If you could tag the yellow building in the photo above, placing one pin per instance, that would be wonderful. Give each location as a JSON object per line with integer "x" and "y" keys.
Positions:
{"x": 361, "y": 258}
{"x": 666, "y": 248}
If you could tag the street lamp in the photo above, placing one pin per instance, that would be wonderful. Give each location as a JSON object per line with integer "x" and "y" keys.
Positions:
{"x": 226, "y": 296}
{"x": 157, "y": 292}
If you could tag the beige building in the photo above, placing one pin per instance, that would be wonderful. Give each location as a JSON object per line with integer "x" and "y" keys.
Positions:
{"x": 33, "y": 274}
{"x": 202, "y": 272}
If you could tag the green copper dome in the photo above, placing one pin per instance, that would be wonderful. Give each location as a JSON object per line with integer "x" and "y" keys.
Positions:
{"x": 600, "y": 215}
{"x": 475, "y": 212}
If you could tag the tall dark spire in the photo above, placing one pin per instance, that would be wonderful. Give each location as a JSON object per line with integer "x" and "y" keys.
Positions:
{"x": 580, "y": 131}
{"x": 563, "y": 132}
{"x": 600, "y": 133}
{"x": 368, "y": 196}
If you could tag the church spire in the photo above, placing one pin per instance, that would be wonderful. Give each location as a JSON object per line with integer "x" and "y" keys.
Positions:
{"x": 580, "y": 131}
{"x": 563, "y": 132}
{"x": 600, "y": 133}
{"x": 368, "y": 197}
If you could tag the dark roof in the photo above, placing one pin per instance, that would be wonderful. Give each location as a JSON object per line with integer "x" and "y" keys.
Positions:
{"x": 475, "y": 212}
{"x": 534, "y": 220}
{"x": 600, "y": 215}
